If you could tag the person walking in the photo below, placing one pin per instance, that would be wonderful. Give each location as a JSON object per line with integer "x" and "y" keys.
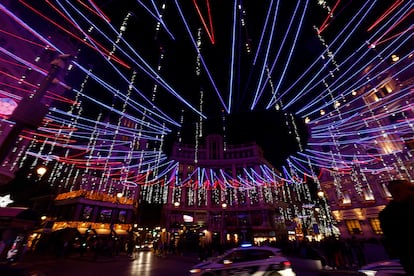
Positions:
{"x": 395, "y": 221}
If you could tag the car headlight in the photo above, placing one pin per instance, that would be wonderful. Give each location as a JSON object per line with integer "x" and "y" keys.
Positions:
{"x": 195, "y": 270}
{"x": 367, "y": 272}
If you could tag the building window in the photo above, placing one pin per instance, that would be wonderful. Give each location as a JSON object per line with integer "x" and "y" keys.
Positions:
{"x": 368, "y": 195}
{"x": 243, "y": 219}
{"x": 409, "y": 141}
{"x": 410, "y": 144}
{"x": 353, "y": 226}
{"x": 254, "y": 196}
{"x": 375, "y": 225}
{"x": 395, "y": 117}
{"x": 241, "y": 197}
{"x": 382, "y": 92}
{"x": 122, "y": 216}
{"x": 346, "y": 199}
{"x": 215, "y": 197}
{"x": 105, "y": 215}
{"x": 385, "y": 190}
{"x": 216, "y": 220}
{"x": 87, "y": 213}
{"x": 230, "y": 219}
{"x": 257, "y": 218}
{"x": 202, "y": 197}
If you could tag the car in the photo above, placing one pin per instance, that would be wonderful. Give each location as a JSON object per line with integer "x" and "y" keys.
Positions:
{"x": 246, "y": 260}
{"x": 147, "y": 246}
{"x": 382, "y": 268}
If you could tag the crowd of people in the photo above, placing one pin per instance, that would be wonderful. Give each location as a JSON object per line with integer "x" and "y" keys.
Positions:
{"x": 333, "y": 252}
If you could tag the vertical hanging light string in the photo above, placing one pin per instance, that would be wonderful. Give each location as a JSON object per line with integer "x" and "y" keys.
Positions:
{"x": 198, "y": 70}
{"x": 75, "y": 108}
{"x": 106, "y": 182}
{"x": 91, "y": 146}
{"x": 148, "y": 187}
{"x": 128, "y": 154}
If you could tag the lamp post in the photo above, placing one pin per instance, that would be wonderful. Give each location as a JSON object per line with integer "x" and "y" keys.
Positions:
{"x": 41, "y": 171}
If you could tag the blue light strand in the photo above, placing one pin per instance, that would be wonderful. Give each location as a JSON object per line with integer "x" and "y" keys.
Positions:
{"x": 290, "y": 53}
{"x": 232, "y": 51}
{"x": 263, "y": 68}
{"x": 201, "y": 57}
{"x": 157, "y": 17}
{"x": 353, "y": 26}
{"x": 150, "y": 72}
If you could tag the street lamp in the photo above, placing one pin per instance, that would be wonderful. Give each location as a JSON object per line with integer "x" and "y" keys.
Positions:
{"x": 321, "y": 194}
{"x": 41, "y": 171}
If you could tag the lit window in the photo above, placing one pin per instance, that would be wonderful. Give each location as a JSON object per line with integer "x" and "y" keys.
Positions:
{"x": 386, "y": 191}
{"x": 368, "y": 195}
{"x": 353, "y": 226}
{"x": 375, "y": 225}
{"x": 346, "y": 199}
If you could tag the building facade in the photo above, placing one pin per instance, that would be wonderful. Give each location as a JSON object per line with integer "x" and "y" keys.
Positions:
{"x": 357, "y": 193}
{"x": 237, "y": 206}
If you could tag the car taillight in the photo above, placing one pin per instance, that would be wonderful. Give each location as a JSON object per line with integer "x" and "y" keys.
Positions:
{"x": 285, "y": 264}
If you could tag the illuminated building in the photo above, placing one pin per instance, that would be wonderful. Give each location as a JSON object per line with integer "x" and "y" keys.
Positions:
{"x": 361, "y": 138}
{"x": 357, "y": 193}
{"x": 98, "y": 212}
{"x": 219, "y": 208}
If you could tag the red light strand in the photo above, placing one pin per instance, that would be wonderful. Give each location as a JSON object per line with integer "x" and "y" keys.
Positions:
{"x": 210, "y": 31}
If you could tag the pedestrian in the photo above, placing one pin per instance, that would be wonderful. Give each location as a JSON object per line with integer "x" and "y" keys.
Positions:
{"x": 130, "y": 247}
{"x": 395, "y": 221}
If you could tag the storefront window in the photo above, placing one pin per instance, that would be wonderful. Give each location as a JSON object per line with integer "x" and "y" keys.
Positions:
{"x": 353, "y": 225}
{"x": 105, "y": 215}
{"x": 122, "y": 216}
{"x": 87, "y": 213}
{"x": 243, "y": 219}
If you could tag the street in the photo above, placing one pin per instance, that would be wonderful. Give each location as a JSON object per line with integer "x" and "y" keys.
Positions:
{"x": 143, "y": 263}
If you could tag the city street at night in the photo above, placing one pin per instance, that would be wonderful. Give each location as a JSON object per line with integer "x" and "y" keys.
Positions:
{"x": 142, "y": 137}
{"x": 144, "y": 263}
{"x": 147, "y": 263}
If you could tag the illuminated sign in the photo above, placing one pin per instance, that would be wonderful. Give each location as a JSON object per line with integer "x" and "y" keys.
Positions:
{"x": 188, "y": 218}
